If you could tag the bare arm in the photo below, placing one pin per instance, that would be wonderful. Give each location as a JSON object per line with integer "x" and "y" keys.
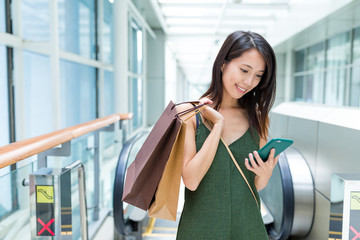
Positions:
{"x": 196, "y": 164}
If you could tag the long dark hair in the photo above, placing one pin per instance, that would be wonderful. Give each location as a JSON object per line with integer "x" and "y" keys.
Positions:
{"x": 258, "y": 101}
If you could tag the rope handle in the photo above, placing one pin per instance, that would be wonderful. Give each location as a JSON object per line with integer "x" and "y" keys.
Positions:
{"x": 241, "y": 172}
{"x": 193, "y": 111}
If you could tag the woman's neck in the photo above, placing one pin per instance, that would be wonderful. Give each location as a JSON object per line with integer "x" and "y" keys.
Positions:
{"x": 229, "y": 102}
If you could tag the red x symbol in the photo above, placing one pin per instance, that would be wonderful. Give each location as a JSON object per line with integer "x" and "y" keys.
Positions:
{"x": 46, "y": 227}
{"x": 357, "y": 234}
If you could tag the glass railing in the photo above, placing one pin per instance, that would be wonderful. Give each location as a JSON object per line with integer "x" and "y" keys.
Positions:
{"x": 98, "y": 151}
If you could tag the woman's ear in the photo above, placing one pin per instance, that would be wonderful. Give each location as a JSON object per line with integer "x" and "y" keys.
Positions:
{"x": 222, "y": 67}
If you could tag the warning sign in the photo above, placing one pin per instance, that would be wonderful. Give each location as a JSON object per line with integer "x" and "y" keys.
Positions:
{"x": 44, "y": 194}
{"x": 355, "y": 201}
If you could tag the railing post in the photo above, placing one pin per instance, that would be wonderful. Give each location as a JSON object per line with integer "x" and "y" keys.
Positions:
{"x": 63, "y": 151}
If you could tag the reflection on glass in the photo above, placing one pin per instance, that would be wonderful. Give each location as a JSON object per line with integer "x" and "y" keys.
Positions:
{"x": 4, "y": 102}
{"x": 37, "y": 98}
{"x": 77, "y": 93}
{"x": 338, "y": 52}
{"x": 136, "y": 52}
{"x": 109, "y": 92}
{"x": 356, "y": 47}
{"x": 137, "y": 101}
{"x": 335, "y": 86}
{"x": 355, "y": 87}
{"x": 35, "y": 20}
{"x": 300, "y": 61}
{"x": 299, "y": 88}
{"x": 77, "y": 27}
{"x": 107, "y": 35}
{"x": 14, "y": 204}
{"x": 315, "y": 58}
{"x": 355, "y": 74}
{"x": 2, "y": 16}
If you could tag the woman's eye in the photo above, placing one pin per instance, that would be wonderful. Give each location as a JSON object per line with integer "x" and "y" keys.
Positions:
{"x": 259, "y": 76}
{"x": 244, "y": 70}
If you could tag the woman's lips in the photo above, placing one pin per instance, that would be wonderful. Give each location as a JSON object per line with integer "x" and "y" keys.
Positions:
{"x": 239, "y": 89}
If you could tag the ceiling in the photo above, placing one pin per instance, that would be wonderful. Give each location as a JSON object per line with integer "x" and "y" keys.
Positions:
{"x": 196, "y": 29}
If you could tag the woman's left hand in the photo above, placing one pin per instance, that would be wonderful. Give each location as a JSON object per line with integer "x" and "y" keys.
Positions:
{"x": 263, "y": 170}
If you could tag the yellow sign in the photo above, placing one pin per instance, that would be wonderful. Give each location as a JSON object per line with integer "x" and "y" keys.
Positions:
{"x": 355, "y": 201}
{"x": 45, "y": 194}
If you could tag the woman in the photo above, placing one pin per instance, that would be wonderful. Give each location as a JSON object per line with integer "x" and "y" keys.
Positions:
{"x": 218, "y": 202}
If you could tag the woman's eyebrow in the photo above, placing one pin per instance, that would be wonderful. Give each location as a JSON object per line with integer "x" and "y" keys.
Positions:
{"x": 252, "y": 67}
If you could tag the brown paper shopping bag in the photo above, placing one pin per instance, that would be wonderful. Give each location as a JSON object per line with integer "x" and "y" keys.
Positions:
{"x": 144, "y": 173}
{"x": 167, "y": 193}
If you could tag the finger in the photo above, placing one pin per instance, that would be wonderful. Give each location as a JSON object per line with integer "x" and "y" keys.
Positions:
{"x": 258, "y": 159}
{"x": 247, "y": 165}
{"x": 271, "y": 157}
{"x": 253, "y": 163}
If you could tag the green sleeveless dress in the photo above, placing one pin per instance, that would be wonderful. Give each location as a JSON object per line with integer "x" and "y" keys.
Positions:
{"x": 222, "y": 207}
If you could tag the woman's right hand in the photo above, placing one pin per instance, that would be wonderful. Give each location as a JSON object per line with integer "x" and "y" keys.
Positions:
{"x": 211, "y": 114}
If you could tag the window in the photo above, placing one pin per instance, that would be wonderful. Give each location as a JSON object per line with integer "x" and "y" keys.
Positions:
{"x": 315, "y": 63}
{"x": 136, "y": 72}
{"x": 35, "y": 20}
{"x": 78, "y": 93}
{"x": 2, "y": 16}
{"x": 300, "y": 61}
{"x": 355, "y": 73}
{"x": 37, "y": 98}
{"x": 136, "y": 85}
{"x": 4, "y": 101}
{"x": 109, "y": 92}
{"x": 338, "y": 56}
{"x": 107, "y": 35}
{"x": 77, "y": 27}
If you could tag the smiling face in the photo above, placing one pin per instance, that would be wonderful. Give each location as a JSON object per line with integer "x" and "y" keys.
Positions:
{"x": 242, "y": 74}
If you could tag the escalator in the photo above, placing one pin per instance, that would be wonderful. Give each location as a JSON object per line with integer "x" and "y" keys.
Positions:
{"x": 127, "y": 218}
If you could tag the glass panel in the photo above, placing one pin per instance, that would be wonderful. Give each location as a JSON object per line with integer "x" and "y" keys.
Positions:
{"x": 35, "y": 20}
{"x": 315, "y": 58}
{"x": 355, "y": 87}
{"x": 338, "y": 52}
{"x": 77, "y": 27}
{"x": 335, "y": 86}
{"x": 14, "y": 205}
{"x": 37, "y": 99}
{"x": 309, "y": 88}
{"x": 78, "y": 93}
{"x": 4, "y": 101}
{"x": 2, "y": 16}
{"x": 107, "y": 35}
{"x": 356, "y": 46}
{"x": 109, "y": 92}
{"x": 137, "y": 101}
{"x": 136, "y": 54}
{"x": 299, "y": 88}
{"x": 355, "y": 74}
{"x": 318, "y": 86}
{"x": 300, "y": 61}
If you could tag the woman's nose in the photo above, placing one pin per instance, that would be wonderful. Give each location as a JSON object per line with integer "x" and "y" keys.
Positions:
{"x": 248, "y": 81}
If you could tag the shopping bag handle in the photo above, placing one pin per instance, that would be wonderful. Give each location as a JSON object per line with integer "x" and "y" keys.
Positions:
{"x": 193, "y": 109}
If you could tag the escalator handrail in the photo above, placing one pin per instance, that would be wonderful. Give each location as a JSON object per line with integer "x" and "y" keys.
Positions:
{"x": 288, "y": 201}
{"x": 119, "y": 221}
